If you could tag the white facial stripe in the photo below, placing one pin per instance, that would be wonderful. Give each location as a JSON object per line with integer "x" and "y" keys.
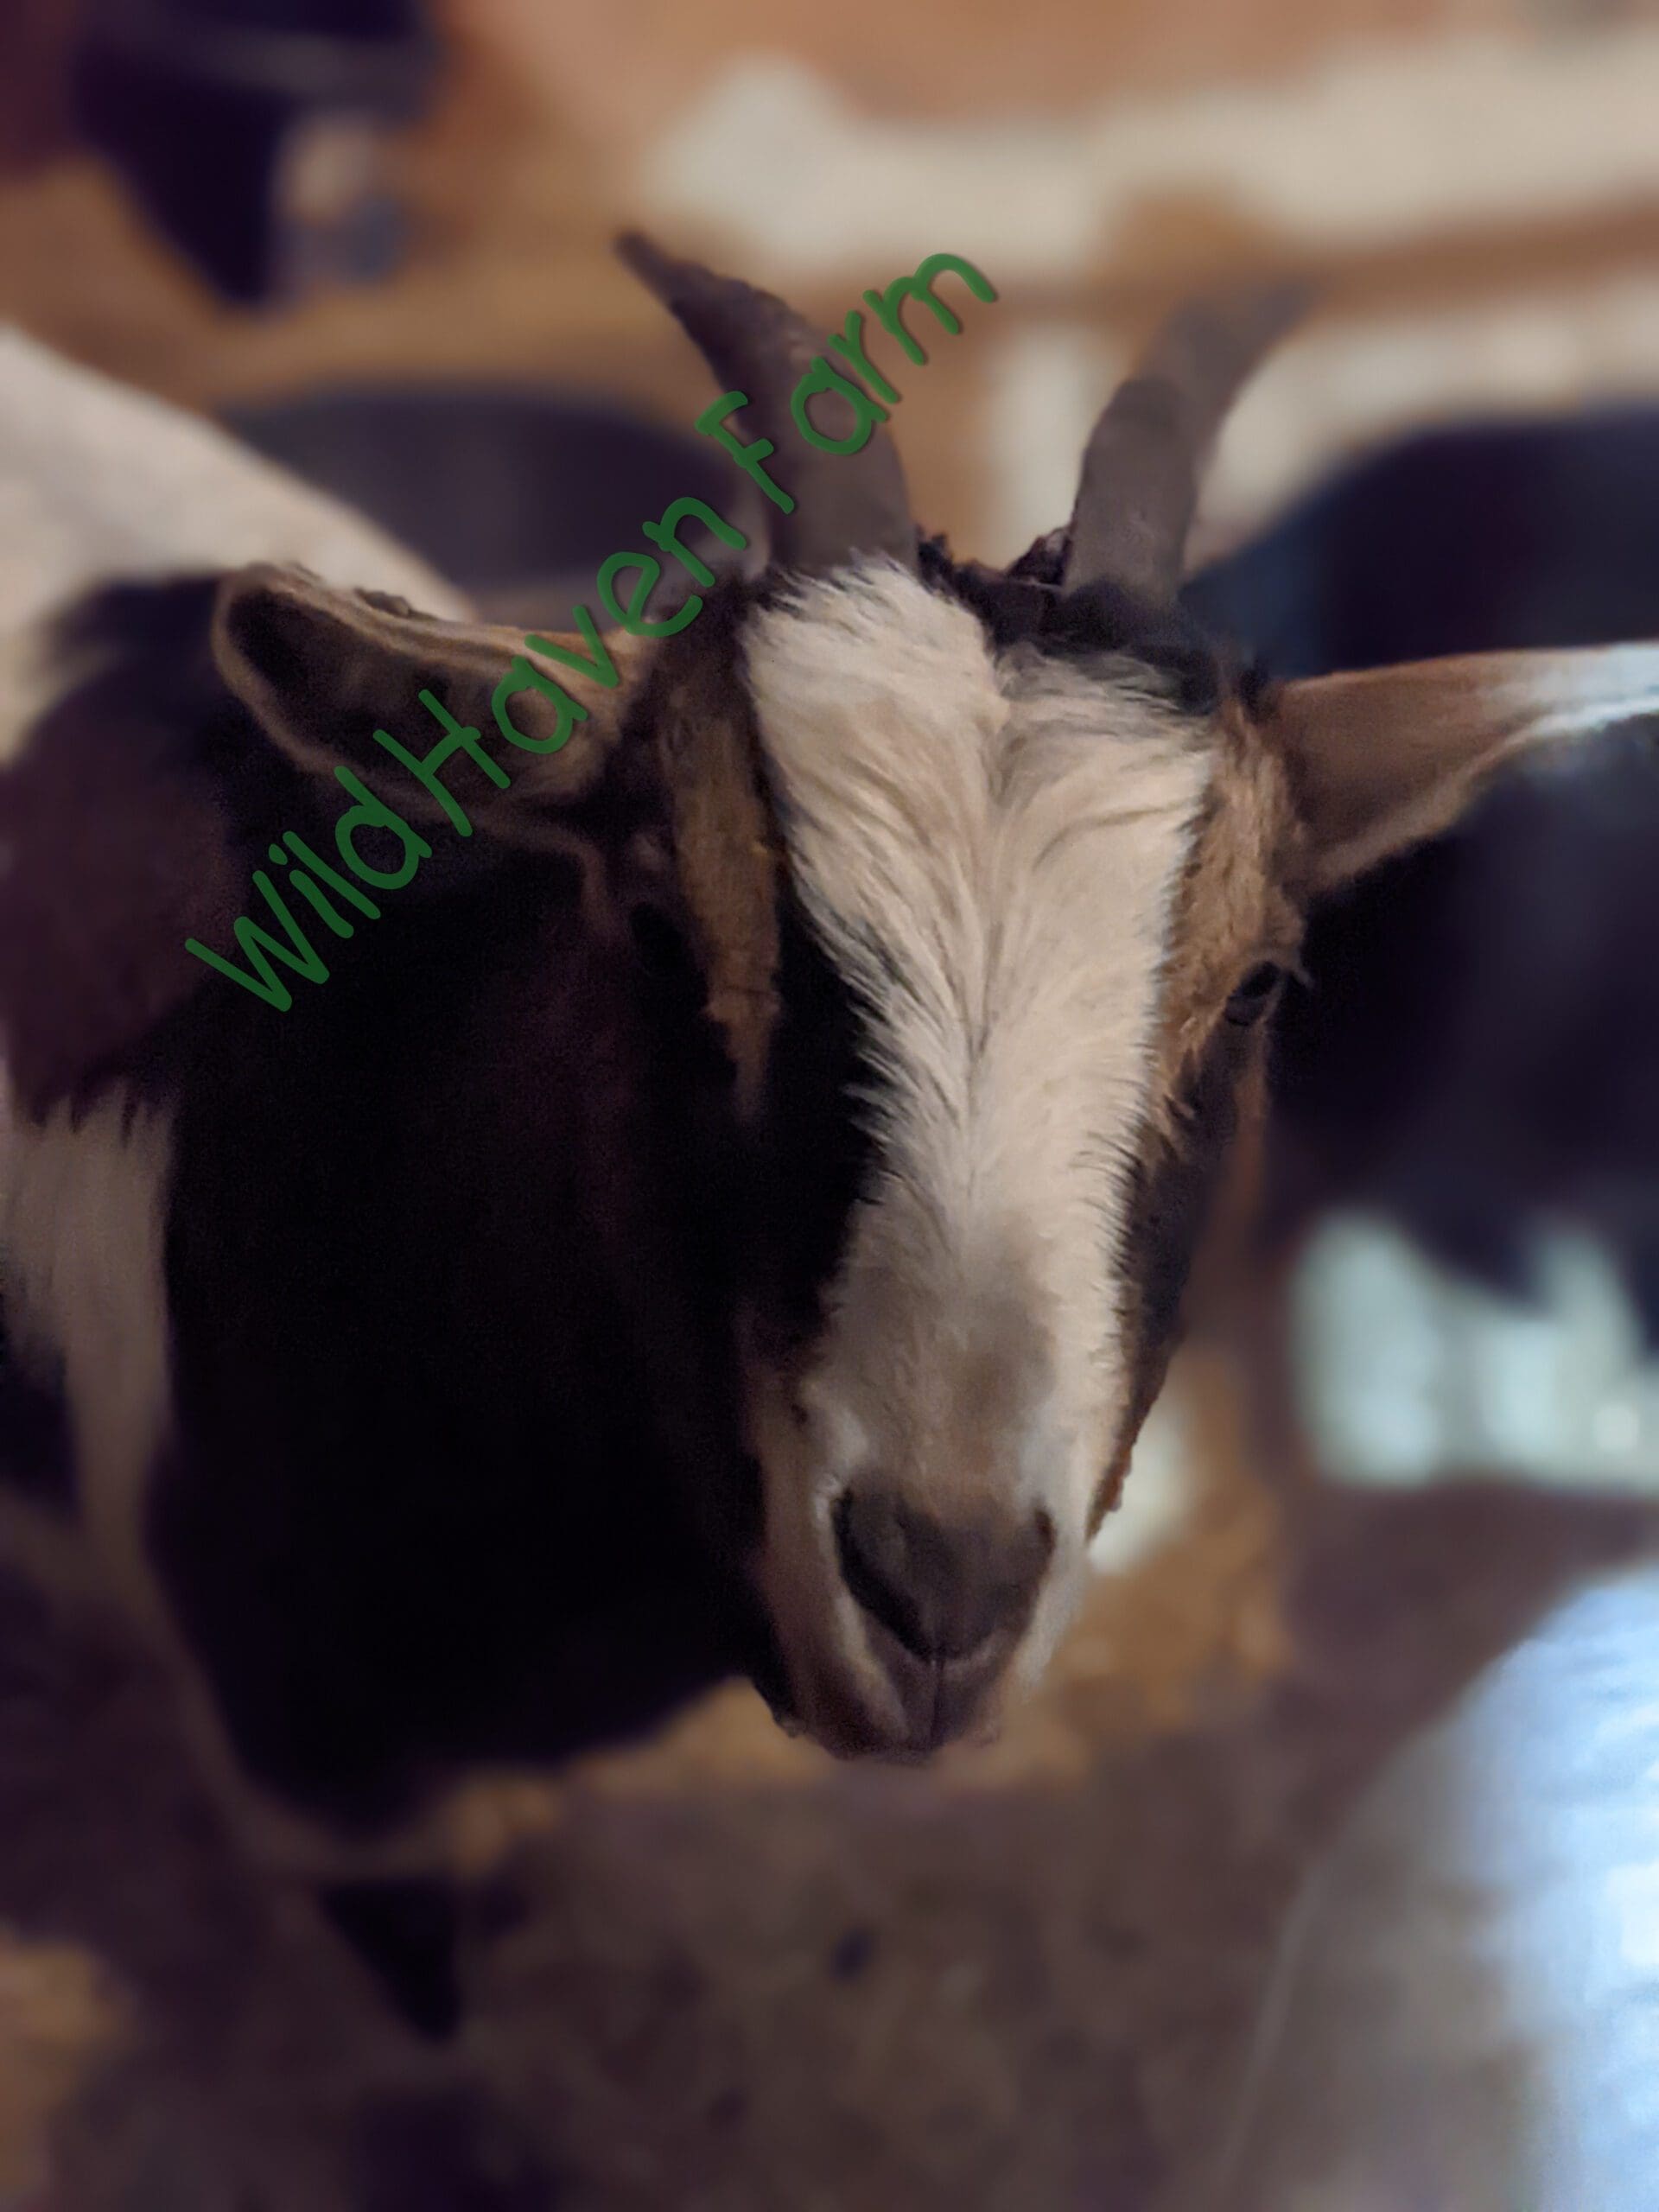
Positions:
{"x": 989, "y": 850}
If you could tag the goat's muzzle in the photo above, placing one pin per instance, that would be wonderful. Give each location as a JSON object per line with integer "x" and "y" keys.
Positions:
{"x": 943, "y": 1604}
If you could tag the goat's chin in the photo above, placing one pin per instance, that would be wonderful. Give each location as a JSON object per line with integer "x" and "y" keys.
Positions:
{"x": 830, "y": 1679}
{"x": 853, "y": 1715}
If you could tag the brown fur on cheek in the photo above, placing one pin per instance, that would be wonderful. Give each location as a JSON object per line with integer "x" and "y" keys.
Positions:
{"x": 1232, "y": 909}
{"x": 1210, "y": 1088}
{"x": 708, "y": 755}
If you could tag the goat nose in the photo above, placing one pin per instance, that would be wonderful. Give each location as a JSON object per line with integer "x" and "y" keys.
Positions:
{"x": 944, "y": 1589}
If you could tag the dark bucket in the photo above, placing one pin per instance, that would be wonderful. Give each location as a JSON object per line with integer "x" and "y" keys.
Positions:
{"x": 515, "y": 494}
{"x": 208, "y": 109}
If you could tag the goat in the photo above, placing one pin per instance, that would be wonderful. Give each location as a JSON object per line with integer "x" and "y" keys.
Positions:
{"x": 1474, "y": 1046}
{"x": 733, "y": 1213}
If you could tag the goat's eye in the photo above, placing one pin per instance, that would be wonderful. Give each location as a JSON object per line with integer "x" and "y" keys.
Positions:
{"x": 660, "y": 948}
{"x": 1255, "y": 993}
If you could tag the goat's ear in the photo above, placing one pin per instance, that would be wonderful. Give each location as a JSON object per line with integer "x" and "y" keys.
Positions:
{"x": 117, "y": 844}
{"x": 1384, "y": 758}
{"x": 324, "y": 672}
{"x": 329, "y": 674}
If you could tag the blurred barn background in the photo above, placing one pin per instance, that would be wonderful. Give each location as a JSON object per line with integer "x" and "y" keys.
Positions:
{"x": 713, "y": 1971}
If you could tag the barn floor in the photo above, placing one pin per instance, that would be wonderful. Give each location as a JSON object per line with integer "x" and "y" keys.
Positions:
{"x": 719, "y": 1972}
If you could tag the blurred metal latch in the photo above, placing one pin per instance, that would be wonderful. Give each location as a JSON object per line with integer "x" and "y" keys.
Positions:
{"x": 252, "y": 131}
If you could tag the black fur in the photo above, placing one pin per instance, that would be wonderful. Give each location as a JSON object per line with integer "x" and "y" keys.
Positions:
{"x": 406, "y": 1933}
{"x": 457, "y": 1471}
{"x": 1171, "y": 1192}
{"x": 36, "y": 1456}
{"x": 1027, "y": 605}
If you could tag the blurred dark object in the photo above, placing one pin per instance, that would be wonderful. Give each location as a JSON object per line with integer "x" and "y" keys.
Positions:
{"x": 35, "y": 38}
{"x": 249, "y": 131}
{"x": 1467, "y": 539}
{"x": 1491, "y": 1057}
{"x": 516, "y": 495}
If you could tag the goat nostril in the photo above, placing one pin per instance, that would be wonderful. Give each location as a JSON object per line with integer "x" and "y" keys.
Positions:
{"x": 870, "y": 1542}
{"x": 944, "y": 1591}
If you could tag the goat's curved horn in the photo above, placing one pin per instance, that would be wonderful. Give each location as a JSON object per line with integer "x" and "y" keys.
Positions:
{"x": 1146, "y": 456}
{"x": 845, "y": 504}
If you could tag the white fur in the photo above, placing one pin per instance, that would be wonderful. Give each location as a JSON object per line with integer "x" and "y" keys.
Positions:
{"x": 99, "y": 480}
{"x": 1006, "y": 835}
{"x": 30, "y": 684}
{"x": 82, "y": 1229}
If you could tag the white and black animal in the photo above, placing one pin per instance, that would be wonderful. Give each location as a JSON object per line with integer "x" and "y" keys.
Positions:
{"x": 732, "y": 1212}
{"x": 1473, "y": 1049}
